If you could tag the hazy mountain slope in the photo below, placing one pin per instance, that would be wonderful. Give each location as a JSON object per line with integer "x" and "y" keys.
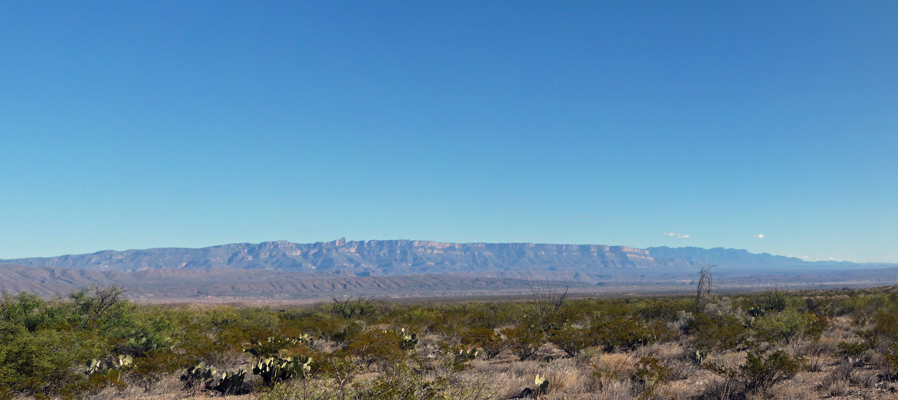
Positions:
{"x": 167, "y": 284}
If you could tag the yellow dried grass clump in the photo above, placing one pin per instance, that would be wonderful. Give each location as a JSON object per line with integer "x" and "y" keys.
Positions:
{"x": 616, "y": 366}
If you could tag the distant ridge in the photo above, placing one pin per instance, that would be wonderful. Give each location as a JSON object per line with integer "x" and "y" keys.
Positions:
{"x": 410, "y": 257}
{"x": 719, "y": 256}
{"x": 360, "y": 258}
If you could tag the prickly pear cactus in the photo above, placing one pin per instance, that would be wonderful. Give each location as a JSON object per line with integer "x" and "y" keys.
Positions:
{"x": 276, "y": 369}
{"x": 270, "y": 347}
{"x": 408, "y": 340}
{"x": 542, "y": 385}
{"x": 94, "y": 366}
{"x": 305, "y": 339}
{"x": 122, "y": 362}
{"x": 99, "y": 366}
{"x": 209, "y": 379}
{"x": 198, "y": 375}
{"x": 468, "y": 355}
{"x": 229, "y": 382}
{"x": 459, "y": 359}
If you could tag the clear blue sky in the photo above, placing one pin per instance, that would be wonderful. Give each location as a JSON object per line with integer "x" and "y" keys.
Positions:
{"x": 187, "y": 124}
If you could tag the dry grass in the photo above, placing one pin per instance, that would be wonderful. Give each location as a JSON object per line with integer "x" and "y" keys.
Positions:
{"x": 168, "y": 388}
{"x": 616, "y": 366}
{"x": 817, "y": 354}
{"x": 834, "y": 387}
{"x": 786, "y": 392}
{"x": 728, "y": 360}
{"x": 614, "y": 390}
{"x": 565, "y": 377}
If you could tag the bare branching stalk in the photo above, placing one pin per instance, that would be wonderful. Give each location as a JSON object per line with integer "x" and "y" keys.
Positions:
{"x": 703, "y": 295}
{"x": 548, "y": 297}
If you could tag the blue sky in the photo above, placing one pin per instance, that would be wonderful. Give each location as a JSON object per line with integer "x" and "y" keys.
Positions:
{"x": 190, "y": 124}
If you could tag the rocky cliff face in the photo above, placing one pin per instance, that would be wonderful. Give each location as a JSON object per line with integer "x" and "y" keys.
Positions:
{"x": 364, "y": 258}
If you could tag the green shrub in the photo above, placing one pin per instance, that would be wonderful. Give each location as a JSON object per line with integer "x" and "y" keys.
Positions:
{"x": 787, "y": 326}
{"x": 774, "y": 300}
{"x": 41, "y": 362}
{"x": 356, "y": 308}
{"x": 760, "y": 371}
{"x": 664, "y": 309}
{"x": 884, "y": 330}
{"x": 524, "y": 342}
{"x": 571, "y": 340}
{"x": 627, "y": 333}
{"x": 383, "y": 348}
{"x": 852, "y": 352}
{"x": 724, "y": 332}
{"x": 153, "y": 366}
{"x": 347, "y": 333}
{"x": 816, "y": 326}
{"x": 24, "y": 309}
{"x": 491, "y": 343}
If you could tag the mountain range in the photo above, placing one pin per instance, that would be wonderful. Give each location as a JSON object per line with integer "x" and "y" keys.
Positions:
{"x": 407, "y": 257}
{"x": 400, "y": 268}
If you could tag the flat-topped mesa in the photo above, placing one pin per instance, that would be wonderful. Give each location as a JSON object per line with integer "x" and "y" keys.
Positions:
{"x": 438, "y": 245}
{"x": 631, "y": 251}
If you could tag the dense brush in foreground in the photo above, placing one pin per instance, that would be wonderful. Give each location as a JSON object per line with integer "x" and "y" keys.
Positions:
{"x": 94, "y": 344}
